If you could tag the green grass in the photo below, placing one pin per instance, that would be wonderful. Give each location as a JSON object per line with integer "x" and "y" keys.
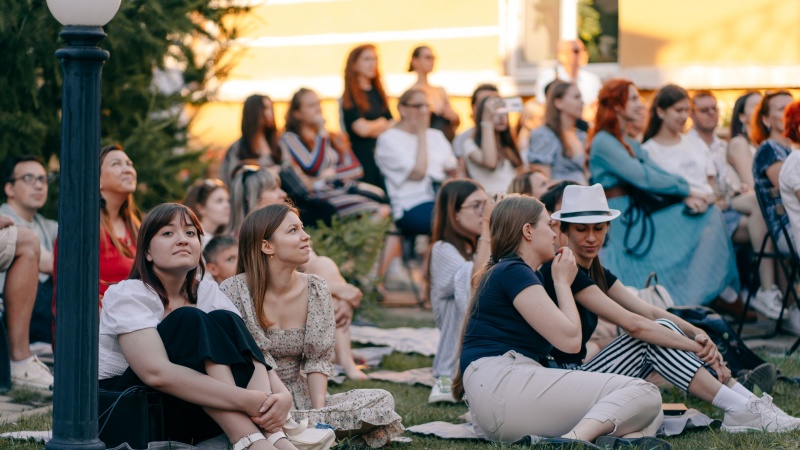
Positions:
{"x": 411, "y": 404}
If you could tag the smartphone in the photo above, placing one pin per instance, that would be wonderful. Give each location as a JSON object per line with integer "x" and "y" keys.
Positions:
{"x": 510, "y": 104}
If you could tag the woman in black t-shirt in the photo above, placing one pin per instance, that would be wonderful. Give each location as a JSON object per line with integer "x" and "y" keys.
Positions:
{"x": 654, "y": 339}
{"x": 512, "y": 324}
{"x": 365, "y": 110}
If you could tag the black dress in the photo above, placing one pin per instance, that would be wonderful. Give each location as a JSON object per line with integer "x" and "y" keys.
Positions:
{"x": 364, "y": 147}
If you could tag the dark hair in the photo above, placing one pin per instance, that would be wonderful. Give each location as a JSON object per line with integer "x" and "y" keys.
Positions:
{"x": 253, "y": 263}
{"x": 128, "y": 211}
{"x": 198, "y": 195}
{"x": 508, "y": 145}
{"x": 415, "y": 54}
{"x": 737, "y": 126}
{"x": 451, "y": 196}
{"x": 11, "y": 165}
{"x": 667, "y": 96}
{"x": 521, "y": 183}
{"x": 596, "y": 271}
{"x": 252, "y": 126}
{"x": 554, "y": 194}
{"x": 353, "y": 95}
{"x": 552, "y": 116}
{"x": 155, "y": 220}
{"x": 293, "y": 125}
{"x": 479, "y": 89}
{"x": 758, "y": 130}
{"x": 218, "y": 244}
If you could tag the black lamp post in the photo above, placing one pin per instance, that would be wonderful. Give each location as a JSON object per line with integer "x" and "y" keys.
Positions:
{"x": 75, "y": 390}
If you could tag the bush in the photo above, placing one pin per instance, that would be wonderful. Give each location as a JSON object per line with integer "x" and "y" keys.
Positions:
{"x": 353, "y": 244}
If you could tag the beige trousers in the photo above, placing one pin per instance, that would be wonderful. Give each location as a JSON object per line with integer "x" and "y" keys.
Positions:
{"x": 511, "y": 396}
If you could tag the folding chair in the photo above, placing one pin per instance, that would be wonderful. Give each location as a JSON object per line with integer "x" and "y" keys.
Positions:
{"x": 407, "y": 249}
{"x": 789, "y": 264}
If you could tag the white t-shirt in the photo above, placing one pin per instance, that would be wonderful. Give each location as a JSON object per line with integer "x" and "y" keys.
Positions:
{"x": 396, "y": 154}
{"x": 690, "y": 159}
{"x": 493, "y": 181}
{"x": 130, "y": 306}
{"x": 789, "y": 181}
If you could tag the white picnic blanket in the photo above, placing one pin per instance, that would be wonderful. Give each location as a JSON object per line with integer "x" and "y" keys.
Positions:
{"x": 423, "y": 341}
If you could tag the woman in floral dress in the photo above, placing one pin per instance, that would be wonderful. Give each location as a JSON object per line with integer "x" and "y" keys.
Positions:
{"x": 290, "y": 315}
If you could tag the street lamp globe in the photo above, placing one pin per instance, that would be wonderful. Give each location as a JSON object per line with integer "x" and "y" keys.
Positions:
{"x": 83, "y": 12}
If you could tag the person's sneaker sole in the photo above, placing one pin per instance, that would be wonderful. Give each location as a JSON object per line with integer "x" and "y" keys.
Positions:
{"x": 556, "y": 443}
{"x": 643, "y": 443}
{"x": 763, "y": 376}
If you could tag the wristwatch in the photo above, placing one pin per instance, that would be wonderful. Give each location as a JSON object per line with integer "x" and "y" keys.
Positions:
{"x": 247, "y": 441}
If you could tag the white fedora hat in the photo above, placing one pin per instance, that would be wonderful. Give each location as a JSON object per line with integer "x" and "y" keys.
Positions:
{"x": 585, "y": 204}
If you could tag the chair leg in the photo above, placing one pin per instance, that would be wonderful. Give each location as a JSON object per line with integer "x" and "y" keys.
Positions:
{"x": 752, "y": 284}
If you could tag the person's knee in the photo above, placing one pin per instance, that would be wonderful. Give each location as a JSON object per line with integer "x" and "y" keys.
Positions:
{"x": 27, "y": 244}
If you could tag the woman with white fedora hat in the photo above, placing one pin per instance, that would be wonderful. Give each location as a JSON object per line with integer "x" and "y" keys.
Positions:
{"x": 654, "y": 339}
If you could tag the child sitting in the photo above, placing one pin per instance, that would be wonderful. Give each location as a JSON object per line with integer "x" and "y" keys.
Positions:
{"x": 221, "y": 254}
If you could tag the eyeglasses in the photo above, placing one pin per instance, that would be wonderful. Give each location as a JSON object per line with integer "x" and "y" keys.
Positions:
{"x": 417, "y": 105}
{"x": 31, "y": 179}
{"x": 478, "y": 206}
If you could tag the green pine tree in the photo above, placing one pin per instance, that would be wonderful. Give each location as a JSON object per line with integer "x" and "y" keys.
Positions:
{"x": 146, "y": 37}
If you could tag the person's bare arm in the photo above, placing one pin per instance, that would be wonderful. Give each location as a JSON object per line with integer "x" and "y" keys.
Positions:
{"x": 773, "y": 173}
{"x": 741, "y": 159}
{"x": 371, "y": 128}
{"x": 45, "y": 261}
{"x": 487, "y": 156}
{"x": 420, "y": 169}
{"x": 318, "y": 387}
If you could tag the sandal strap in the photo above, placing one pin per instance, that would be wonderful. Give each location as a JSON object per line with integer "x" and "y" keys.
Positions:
{"x": 247, "y": 441}
{"x": 275, "y": 437}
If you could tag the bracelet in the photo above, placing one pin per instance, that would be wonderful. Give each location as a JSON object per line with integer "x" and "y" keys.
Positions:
{"x": 485, "y": 239}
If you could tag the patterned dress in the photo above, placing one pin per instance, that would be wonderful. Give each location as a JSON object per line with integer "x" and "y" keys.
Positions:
{"x": 296, "y": 352}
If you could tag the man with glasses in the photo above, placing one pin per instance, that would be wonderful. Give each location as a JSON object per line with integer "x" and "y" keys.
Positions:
{"x": 25, "y": 188}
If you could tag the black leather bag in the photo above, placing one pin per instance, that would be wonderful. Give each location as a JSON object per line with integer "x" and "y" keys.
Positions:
{"x": 643, "y": 204}
{"x": 135, "y": 416}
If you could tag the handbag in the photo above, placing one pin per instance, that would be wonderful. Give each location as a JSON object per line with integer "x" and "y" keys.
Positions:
{"x": 305, "y": 438}
{"x": 642, "y": 205}
{"x": 656, "y": 294}
{"x": 134, "y": 416}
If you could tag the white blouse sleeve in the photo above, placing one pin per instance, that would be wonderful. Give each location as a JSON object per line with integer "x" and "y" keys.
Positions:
{"x": 211, "y": 298}
{"x": 130, "y": 306}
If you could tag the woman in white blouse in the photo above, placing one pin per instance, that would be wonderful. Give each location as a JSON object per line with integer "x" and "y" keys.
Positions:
{"x": 164, "y": 329}
{"x": 413, "y": 157}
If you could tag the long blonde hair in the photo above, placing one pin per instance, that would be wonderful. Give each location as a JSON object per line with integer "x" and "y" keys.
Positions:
{"x": 505, "y": 224}
{"x": 253, "y": 263}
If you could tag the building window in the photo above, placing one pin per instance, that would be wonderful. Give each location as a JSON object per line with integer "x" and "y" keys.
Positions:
{"x": 534, "y": 27}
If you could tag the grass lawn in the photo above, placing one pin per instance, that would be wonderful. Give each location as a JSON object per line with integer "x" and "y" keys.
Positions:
{"x": 411, "y": 404}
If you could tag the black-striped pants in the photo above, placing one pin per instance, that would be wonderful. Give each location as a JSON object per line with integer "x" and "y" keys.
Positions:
{"x": 635, "y": 358}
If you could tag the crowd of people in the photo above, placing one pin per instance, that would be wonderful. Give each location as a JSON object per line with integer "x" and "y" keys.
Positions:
{"x": 516, "y": 234}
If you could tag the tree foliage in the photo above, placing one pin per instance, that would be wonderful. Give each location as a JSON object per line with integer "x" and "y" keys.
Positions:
{"x": 176, "y": 43}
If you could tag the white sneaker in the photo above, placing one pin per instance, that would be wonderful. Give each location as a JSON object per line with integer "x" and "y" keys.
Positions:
{"x": 760, "y": 415}
{"x": 441, "y": 391}
{"x": 34, "y": 374}
{"x": 791, "y": 322}
{"x": 768, "y": 302}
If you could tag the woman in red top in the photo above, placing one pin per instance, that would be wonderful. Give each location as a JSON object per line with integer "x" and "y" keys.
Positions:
{"x": 119, "y": 220}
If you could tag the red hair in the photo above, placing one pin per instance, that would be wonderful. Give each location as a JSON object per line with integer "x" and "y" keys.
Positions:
{"x": 353, "y": 95}
{"x": 613, "y": 95}
{"x": 791, "y": 120}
